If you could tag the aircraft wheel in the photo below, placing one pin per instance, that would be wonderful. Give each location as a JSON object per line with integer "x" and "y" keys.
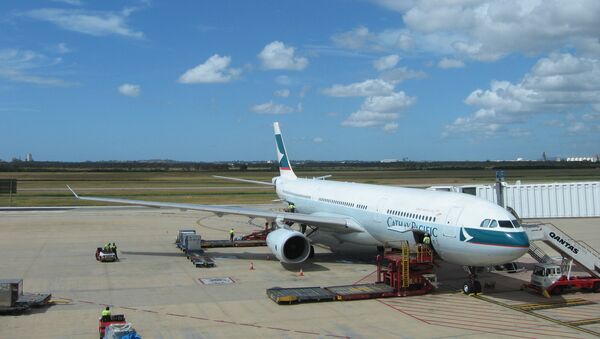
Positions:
{"x": 467, "y": 287}
{"x": 312, "y": 252}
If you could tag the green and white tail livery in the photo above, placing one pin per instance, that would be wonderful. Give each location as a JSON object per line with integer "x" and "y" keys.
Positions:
{"x": 285, "y": 168}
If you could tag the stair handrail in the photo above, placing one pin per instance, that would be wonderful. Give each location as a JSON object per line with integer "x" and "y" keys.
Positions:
{"x": 589, "y": 248}
{"x": 581, "y": 242}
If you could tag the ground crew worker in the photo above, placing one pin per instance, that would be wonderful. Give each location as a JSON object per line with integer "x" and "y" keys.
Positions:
{"x": 427, "y": 240}
{"x": 292, "y": 207}
{"x": 106, "y": 248}
{"x": 113, "y": 248}
{"x": 231, "y": 234}
{"x": 106, "y": 314}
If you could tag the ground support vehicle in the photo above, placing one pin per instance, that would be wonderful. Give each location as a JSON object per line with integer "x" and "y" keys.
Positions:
{"x": 103, "y": 256}
{"x": 14, "y": 301}
{"x": 549, "y": 279}
{"x": 103, "y": 323}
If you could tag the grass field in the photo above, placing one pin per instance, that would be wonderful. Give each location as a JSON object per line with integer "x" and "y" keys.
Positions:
{"x": 48, "y": 188}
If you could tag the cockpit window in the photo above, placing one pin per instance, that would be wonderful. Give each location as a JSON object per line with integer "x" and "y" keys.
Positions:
{"x": 505, "y": 224}
{"x": 493, "y": 224}
{"x": 516, "y": 223}
{"x": 485, "y": 223}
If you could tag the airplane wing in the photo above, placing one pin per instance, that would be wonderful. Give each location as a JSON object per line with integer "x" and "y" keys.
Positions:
{"x": 337, "y": 224}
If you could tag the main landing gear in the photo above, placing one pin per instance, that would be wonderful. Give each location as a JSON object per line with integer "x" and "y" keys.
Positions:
{"x": 472, "y": 285}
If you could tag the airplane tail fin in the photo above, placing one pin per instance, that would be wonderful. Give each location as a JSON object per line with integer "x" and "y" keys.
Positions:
{"x": 285, "y": 168}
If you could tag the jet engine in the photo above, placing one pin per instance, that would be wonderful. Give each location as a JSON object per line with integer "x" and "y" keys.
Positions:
{"x": 290, "y": 247}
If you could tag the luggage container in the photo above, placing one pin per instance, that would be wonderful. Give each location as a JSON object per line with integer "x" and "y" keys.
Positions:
{"x": 192, "y": 242}
{"x": 179, "y": 239}
{"x": 10, "y": 291}
{"x": 119, "y": 331}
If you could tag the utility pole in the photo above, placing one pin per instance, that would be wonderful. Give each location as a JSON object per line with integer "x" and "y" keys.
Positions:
{"x": 500, "y": 188}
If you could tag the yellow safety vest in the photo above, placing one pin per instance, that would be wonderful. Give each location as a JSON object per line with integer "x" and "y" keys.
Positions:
{"x": 231, "y": 232}
{"x": 105, "y": 313}
{"x": 426, "y": 241}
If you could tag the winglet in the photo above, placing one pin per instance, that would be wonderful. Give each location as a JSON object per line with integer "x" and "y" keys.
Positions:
{"x": 75, "y": 194}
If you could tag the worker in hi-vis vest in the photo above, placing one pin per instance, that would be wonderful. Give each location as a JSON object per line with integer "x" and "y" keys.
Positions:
{"x": 231, "y": 234}
{"x": 427, "y": 240}
{"x": 106, "y": 314}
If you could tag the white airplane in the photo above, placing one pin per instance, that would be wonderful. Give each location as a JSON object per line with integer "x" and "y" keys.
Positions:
{"x": 464, "y": 229}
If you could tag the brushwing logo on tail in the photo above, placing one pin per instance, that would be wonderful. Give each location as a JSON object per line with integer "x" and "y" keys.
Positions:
{"x": 283, "y": 160}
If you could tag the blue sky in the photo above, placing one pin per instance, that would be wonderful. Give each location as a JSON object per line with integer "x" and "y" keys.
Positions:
{"x": 366, "y": 80}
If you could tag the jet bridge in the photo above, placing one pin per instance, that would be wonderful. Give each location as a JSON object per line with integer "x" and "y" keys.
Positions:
{"x": 580, "y": 252}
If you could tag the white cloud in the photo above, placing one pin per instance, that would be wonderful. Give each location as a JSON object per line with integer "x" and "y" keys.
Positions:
{"x": 556, "y": 84}
{"x": 591, "y": 116}
{"x": 486, "y": 30}
{"x": 62, "y": 48}
{"x": 390, "y": 127}
{"x": 271, "y": 108}
{"x": 386, "y": 62}
{"x": 400, "y": 74}
{"x": 361, "y": 38}
{"x": 391, "y": 103}
{"x": 317, "y": 140}
{"x": 446, "y": 63}
{"x": 370, "y": 87}
{"x": 380, "y": 111}
{"x": 277, "y": 56}
{"x": 284, "y": 93}
{"x": 214, "y": 70}
{"x": 96, "y": 23}
{"x": 358, "y": 38}
{"x": 576, "y": 127}
{"x": 129, "y": 90}
{"x": 22, "y": 65}
{"x": 369, "y": 119}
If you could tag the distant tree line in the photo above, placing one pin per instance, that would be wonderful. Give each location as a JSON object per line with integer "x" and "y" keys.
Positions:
{"x": 176, "y": 166}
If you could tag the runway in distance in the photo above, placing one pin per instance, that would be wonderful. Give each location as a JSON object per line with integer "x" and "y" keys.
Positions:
{"x": 464, "y": 229}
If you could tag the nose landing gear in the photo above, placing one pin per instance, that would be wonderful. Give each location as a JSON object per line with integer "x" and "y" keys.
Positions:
{"x": 471, "y": 286}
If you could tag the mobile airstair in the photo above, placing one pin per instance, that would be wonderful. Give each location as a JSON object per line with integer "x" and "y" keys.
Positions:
{"x": 578, "y": 251}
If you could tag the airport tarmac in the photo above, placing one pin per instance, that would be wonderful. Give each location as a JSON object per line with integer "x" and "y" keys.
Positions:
{"x": 165, "y": 296}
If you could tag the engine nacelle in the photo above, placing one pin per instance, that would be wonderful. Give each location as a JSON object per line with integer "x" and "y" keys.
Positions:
{"x": 290, "y": 247}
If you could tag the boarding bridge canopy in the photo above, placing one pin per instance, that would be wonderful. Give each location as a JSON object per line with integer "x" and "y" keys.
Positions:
{"x": 579, "y": 251}
{"x": 541, "y": 200}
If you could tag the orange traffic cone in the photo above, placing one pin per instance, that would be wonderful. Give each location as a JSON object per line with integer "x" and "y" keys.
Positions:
{"x": 301, "y": 274}
{"x": 251, "y": 266}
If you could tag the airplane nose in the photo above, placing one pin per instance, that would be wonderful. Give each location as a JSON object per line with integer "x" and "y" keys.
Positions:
{"x": 518, "y": 239}
{"x": 518, "y": 244}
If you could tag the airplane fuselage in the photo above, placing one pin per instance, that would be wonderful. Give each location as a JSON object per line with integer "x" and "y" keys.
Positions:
{"x": 455, "y": 221}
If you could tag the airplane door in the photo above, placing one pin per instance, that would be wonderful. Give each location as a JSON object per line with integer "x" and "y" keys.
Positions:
{"x": 453, "y": 214}
{"x": 451, "y": 220}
